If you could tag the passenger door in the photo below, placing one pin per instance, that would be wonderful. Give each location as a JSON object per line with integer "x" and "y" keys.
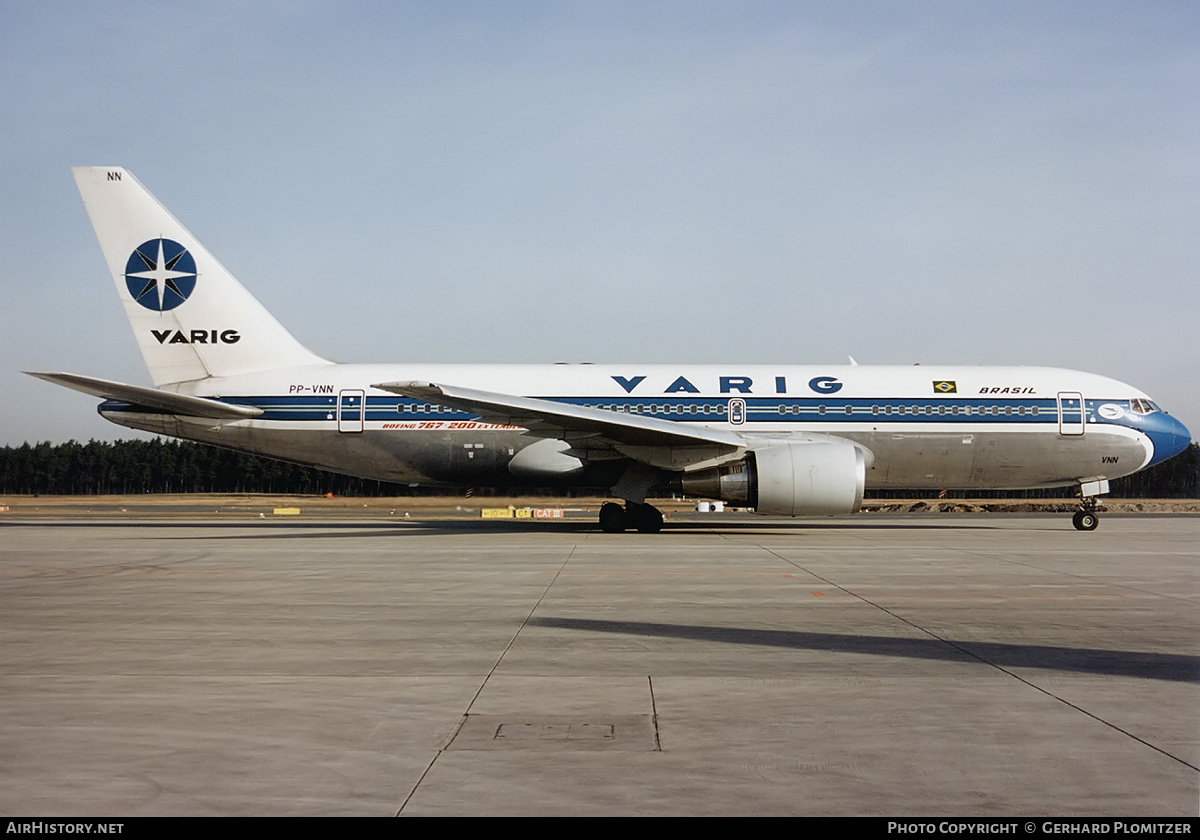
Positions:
{"x": 350, "y": 411}
{"x": 1070, "y": 413}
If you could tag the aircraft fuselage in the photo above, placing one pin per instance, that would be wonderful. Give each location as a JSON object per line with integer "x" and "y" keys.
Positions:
{"x": 924, "y": 427}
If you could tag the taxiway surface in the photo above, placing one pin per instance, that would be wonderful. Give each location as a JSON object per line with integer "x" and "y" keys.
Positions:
{"x": 990, "y": 665}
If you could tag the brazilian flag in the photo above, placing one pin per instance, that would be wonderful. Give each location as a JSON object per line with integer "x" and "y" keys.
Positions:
{"x": 945, "y": 386}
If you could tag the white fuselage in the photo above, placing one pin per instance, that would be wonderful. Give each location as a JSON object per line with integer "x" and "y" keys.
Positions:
{"x": 923, "y": 427}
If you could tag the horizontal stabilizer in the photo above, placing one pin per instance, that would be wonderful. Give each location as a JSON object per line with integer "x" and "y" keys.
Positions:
{"x": 163, "y": 401}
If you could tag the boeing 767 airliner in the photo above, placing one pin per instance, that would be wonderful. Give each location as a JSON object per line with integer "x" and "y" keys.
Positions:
{"x": 792, "y": 441}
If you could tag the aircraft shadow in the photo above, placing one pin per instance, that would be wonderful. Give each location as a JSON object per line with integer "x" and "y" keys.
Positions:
{"x": 372, "y": 526}
{"x": 1116, "y": 663}
{"x": 457, "y": 528}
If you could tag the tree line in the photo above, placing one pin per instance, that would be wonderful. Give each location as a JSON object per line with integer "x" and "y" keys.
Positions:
{"x": 164, "y": 466}
{"x": 171, "y": 466}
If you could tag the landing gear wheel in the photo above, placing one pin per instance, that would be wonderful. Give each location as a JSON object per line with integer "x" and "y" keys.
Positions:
{"x": 646, "y": 518}
{"x": 612, "y": 518}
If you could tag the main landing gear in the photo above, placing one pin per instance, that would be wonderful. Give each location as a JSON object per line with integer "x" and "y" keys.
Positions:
{"x": 614, "y": 519}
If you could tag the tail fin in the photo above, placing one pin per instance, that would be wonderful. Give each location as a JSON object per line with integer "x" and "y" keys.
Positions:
{"x": 191, "y": 317}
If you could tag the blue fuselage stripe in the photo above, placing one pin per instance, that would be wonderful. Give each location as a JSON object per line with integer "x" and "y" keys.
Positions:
{"x": 696, "y": 409}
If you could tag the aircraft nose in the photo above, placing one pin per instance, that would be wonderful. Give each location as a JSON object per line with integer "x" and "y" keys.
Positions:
{"x": 1169, "y": 436}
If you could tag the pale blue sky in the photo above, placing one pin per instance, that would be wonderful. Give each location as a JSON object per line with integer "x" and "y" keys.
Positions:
{"x": 961, "y": 182}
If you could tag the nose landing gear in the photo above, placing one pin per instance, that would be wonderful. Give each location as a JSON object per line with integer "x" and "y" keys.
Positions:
{"x": 1087, "y": 518}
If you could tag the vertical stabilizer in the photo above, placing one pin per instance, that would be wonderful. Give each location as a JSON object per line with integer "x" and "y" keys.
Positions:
{"x": 191, "y": 317}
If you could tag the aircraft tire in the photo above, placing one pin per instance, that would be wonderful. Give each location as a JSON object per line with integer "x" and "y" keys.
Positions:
{"x": 612, "y": 518}
{"x": 1085, "y": 520}
{"x": 647, "y": 518}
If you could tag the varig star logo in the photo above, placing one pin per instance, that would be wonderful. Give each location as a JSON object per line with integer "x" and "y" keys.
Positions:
{"x": 160, "y": 274}
{"x": 945, "y": 386}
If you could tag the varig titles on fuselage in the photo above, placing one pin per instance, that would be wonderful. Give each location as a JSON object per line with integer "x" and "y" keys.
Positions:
{"x": 732, "y": 385}
{"x": 777, "y": 385}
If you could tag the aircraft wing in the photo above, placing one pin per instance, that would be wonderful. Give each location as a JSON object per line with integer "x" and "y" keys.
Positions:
{"x": 651, "y": 440}
{"x": 151, "y": 398}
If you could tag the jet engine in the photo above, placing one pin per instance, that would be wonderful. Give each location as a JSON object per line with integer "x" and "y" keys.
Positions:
{"x": 788, "y": 479}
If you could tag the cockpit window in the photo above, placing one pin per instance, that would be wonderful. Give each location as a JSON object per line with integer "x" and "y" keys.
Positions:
{"x": 1139, "y": 406}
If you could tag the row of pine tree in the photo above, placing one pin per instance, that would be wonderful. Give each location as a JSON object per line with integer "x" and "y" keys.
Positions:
{"x": 172, "y": 466}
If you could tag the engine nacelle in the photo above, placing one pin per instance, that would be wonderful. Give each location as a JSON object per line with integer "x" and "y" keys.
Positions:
{"x": 810, "y": 479}
{"x": 788, "y": 479}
